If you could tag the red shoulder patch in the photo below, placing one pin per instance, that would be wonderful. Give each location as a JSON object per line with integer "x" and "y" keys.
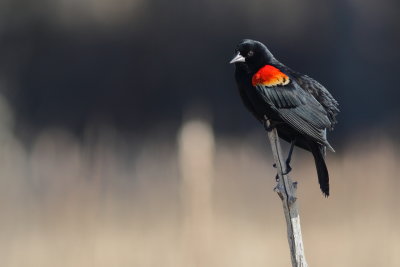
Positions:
{"x": 269, "y": 76}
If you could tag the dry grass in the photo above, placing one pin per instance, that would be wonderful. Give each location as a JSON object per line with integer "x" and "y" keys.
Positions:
{"x": 109, "y": 203}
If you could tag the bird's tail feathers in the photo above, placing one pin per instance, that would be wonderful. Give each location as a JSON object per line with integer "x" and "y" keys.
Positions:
{"x": 318, "y": 152}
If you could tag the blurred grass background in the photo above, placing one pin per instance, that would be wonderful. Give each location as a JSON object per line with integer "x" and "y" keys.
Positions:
{"x": 123, "y": 141}
{"x": 199, "y": 201}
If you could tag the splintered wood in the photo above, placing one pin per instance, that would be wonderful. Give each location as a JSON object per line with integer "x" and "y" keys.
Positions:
{"x": 286, "y": 190}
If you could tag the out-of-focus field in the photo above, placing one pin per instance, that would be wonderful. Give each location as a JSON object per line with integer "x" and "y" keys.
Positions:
{"x": 192, "y": 201}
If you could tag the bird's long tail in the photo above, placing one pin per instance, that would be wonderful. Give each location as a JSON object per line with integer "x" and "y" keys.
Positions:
{"x": 318, "y": 152}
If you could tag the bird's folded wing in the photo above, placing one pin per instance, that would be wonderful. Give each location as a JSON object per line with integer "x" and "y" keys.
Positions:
{"x": 298, "y": 108}
{"x": 321, "y": 94}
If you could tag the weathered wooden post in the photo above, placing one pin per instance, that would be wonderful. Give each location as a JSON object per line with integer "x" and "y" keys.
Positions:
{"x": 286, "y": 190}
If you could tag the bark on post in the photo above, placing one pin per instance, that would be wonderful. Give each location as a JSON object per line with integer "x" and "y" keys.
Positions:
{"x": 286, "y": 190}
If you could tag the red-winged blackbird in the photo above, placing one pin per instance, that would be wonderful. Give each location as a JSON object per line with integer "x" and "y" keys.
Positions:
{"x": 299, "y": 107}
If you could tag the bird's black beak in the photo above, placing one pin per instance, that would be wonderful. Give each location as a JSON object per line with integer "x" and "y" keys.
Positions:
{"x": 237, "y": 58}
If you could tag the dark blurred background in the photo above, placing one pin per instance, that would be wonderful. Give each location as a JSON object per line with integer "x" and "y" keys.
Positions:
{"x": 123, "y": 140}
{"x": 140, "y": 64}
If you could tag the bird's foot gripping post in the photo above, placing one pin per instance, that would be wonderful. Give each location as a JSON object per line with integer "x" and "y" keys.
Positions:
{"x": 286, "y": 189}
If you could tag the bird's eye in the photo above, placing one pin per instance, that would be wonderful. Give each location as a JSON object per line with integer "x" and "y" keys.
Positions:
{"x": 250, "y": 53}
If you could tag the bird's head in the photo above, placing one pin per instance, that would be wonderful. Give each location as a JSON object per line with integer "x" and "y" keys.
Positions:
{"x": 252, "y": 54}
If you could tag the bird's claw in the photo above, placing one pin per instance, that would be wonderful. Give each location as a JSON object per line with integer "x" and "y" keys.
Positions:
{"x": 288, "y": 169}
{"x": 271, "y": 126}
{"x": 268, "y": 128}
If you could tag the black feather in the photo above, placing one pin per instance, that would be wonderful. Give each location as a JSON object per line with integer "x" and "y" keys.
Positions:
{"x": 322, "y": 170}
{"x": 299, "y": 109}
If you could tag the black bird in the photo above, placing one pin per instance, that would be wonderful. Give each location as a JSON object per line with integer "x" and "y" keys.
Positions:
{"x": 299, "y": 107}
